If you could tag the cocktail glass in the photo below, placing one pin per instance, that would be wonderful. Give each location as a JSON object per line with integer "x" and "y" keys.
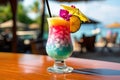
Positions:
{"x": 59, "y": 45}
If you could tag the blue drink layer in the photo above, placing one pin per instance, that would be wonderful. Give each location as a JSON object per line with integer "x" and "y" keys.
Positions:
{"x": 60, "y": 53}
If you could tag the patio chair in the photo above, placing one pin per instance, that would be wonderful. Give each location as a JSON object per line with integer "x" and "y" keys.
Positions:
{"x": 88, "y": 42}
{"x": 109, "y": 39}
{"x": 37, "y": 48}
{"x": 114, "y": 37}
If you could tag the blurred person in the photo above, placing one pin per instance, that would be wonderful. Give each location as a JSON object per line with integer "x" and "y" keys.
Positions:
{"x": 76, "y": 45}
{"x": 109, "y": 36}
{"x": 7, "y": 38}
{"x": 107, "y": 40}
{"x": 7, "y": 34}
{"x": 114, "y": 37}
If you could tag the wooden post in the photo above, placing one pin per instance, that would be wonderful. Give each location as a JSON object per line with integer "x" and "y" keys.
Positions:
{"x": 40, "y": 36}
{"x": 14, "y": 28}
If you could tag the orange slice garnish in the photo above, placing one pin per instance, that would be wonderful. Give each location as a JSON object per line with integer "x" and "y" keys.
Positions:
{"x": 75, "y": 23}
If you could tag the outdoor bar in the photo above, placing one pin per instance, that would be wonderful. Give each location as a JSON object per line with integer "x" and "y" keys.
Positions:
{"x": 37, "y": 45}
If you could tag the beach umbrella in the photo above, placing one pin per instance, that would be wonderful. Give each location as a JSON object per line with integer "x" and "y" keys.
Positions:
{"x": 9, "y": 24}
{"x": 34, "y": 26}
{"x": 113, "y": 25}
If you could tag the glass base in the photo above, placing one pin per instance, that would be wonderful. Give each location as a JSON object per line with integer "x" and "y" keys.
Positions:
{"x": 60, "y": 70}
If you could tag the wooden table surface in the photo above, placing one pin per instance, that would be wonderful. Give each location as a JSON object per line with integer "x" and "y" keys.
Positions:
{"x": 15, "y": 66}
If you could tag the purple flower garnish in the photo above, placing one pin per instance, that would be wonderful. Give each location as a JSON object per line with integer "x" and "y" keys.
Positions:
{"x": 65, "y": 14}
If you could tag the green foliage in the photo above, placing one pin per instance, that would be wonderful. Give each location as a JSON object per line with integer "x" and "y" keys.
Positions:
{"x": 35, "y": 7}
{"x": 5, "y": 13}
{"x": 24, "y": 19}
{"x": 22, "y": 15}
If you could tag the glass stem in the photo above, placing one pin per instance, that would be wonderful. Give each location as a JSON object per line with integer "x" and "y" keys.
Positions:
{"x": 60, "y": 64}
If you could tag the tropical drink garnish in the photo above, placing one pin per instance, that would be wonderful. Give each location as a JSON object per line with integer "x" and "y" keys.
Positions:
{"x": 75, "y": 16}
{"x": 75, "y": 23}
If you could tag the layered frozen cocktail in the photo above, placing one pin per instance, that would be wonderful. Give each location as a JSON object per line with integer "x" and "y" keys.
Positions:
{"x": 59, "y": 44}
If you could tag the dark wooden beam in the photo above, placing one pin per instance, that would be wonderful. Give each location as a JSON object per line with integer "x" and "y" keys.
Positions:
{"x": 3, "y": 2}
{"x": 14, "y": 28}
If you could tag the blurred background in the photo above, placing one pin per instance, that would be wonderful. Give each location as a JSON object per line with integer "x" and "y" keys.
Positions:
{"x": 24, "y": 28}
